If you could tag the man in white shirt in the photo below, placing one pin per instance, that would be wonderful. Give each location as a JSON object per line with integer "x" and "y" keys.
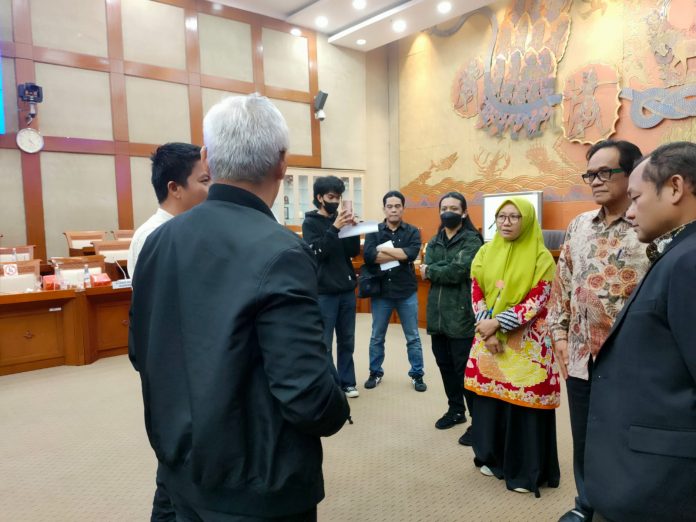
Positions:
{"x": 180, "y": 182}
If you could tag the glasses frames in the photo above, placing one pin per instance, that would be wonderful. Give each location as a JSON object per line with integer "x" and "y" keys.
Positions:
{"x": 512, "y": 218}
{"x": 602, "y": 174}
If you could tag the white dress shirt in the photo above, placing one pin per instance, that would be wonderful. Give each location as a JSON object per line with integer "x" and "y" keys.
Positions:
{"x": 158, "y": 218}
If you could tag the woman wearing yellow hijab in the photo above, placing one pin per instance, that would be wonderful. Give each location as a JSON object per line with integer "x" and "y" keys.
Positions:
{"x": 511, "y": 366}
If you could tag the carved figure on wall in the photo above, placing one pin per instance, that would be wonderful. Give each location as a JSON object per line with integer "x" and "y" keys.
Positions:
{"x": 520, "y": 71}
{"x": 465, "y": 91}
{"x": 491, "y": 165}
{"x": 538, "y": 157}
{"x": 671, "y": 47}
{"x": 651, "y": 106}
{"x": 423, "y": 191}
{"x": 591, "y": 104}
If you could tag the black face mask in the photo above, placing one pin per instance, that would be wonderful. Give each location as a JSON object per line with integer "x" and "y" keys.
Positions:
{"x": 330, "y": 208}
{"x": 451, "y": 219}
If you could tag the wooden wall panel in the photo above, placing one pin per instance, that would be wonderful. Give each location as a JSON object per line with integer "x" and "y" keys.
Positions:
{"x": 122, "y": 148}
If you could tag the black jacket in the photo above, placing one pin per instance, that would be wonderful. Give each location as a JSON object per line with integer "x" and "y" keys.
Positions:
{"x": 398, "y": 282}
{"x": 640, "y": 457}
{"x": 336, "y": 273}
{"x": 227, "y": 336}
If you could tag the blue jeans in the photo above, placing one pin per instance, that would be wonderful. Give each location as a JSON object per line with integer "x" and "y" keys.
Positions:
{"x": 407, "y": 309}
{"x": 338, "y": 313}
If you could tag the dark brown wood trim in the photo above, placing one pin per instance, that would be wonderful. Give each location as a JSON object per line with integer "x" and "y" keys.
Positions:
{"x": 26, "y": 55}
{"x": 141, "y": 149}
{"x": 196, "y": 113}
{"x": 193, "y": 54}
{"x": 257, "y": 58}
{"x": 7, "y": 141}
{"x": 70, "y": 59}
{"x": 280, "y": 93}
{"x": 313, "y": 89}
{"x": 180, "y": 3}
{"x": 121, "y": 147}
{"x": 114, "y": 30}
{"x": 119, "y": 106}
{"x": 124, "y": 192}
{"x": 33, "y": 203}
{"x": 298, "y": 160}
{"x": 21, "y": 21}
{"x": 24, "y": 50}
{"x": 153, "y": 72}
{"x": 78, "y": 145}
{"x": 276, "y": 25}
{"x": 31, "y": 168}
{"x": 205, "y": 7}
{"x": 226, "y": 84}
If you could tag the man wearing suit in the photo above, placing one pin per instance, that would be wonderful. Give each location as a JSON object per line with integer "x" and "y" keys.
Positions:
{"x": 640, "y": 460}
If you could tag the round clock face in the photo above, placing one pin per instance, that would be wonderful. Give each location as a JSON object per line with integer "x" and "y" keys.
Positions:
{"x": 29, "y": 140}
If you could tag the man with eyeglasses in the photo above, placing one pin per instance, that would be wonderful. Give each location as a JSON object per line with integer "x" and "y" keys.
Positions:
{"x": 601, "y": 262}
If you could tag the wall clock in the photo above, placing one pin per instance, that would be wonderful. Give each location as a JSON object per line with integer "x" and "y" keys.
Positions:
{"x": 30, "y": 140}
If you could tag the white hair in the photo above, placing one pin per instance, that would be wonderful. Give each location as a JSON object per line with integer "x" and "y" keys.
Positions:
{"x": 244, "y": 137}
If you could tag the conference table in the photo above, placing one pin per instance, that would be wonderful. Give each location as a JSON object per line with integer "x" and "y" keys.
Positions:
{"x": 75, "y": 327}
{"x": 53, "y": 328}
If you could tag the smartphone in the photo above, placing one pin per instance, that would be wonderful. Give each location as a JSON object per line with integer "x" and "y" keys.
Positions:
{"x": 348, "y": 205}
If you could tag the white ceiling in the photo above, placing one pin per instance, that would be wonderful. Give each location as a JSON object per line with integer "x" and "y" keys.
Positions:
{"x": 346, "y": 25}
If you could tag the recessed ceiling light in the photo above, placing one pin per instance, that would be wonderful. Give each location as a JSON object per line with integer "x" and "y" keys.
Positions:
{"x": 295, "y": 32}
{"x": 217, "y": 7}
{"x": 399, "y": 26}
{"x": 359, "y": 4}
{"x": 361, "y": 41}
{"x": 321, "y": 21}
{"x": 444, "y": 7}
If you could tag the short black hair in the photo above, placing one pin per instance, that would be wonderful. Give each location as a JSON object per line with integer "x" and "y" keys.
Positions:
{"x": 667, "y": 160}
{"x": 393, "y": 194}
{"x": 325, "y": 184}
{"x": 629, "y": 154}
{"x": 172, "y": 162}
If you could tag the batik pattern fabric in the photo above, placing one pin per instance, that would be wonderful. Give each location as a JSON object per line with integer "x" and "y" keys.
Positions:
{"x": 524, "y": 373}
{"x": 659, "y": 245}
{"x": 599, "y": 267}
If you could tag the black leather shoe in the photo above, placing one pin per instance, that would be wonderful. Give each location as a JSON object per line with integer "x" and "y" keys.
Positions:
{"x": 575, "y": 515}
{"x": 467, "y": 439}
{"x": 449, "y": 420}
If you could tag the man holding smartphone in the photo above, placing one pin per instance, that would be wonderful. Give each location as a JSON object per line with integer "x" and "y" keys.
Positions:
{"x": 337, "y": 278}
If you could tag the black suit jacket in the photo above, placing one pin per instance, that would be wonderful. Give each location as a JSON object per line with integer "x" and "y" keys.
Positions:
{"x": 640, "y": 457}
{"x": 227, "y": 336}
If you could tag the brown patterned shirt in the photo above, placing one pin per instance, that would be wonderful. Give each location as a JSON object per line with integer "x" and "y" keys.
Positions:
{"x": 598, "y": 268}
{"x": 658, "y": 246}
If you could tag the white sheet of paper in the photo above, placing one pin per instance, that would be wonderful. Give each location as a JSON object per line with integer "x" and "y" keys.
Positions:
{"x": 389, "y": 264}
{"x": 366, "y": 227}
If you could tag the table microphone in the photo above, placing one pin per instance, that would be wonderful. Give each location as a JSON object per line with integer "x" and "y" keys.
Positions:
{"x": 126, "y": 282}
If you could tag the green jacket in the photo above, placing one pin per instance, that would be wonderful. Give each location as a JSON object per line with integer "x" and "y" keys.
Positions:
{"x": 449, "y": 271}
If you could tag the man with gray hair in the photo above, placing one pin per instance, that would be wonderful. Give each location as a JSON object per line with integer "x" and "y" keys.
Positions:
{"x": 226, "y": 334}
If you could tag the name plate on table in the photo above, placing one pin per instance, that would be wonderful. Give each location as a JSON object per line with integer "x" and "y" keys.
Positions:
{"x": 122, "y": 283}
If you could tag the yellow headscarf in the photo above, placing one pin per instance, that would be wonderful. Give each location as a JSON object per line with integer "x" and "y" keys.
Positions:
{"x": 508, "y": 270}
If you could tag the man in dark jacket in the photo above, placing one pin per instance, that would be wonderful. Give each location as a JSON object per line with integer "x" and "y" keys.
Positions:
{"x": 337, "y": 279}
{"x": 227, "y": 337}
{"x": 640, "y": 456}
{"x": 400, "y": 242}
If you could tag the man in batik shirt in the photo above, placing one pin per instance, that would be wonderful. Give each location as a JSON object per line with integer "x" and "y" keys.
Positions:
{"x": 601, "y": 262}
